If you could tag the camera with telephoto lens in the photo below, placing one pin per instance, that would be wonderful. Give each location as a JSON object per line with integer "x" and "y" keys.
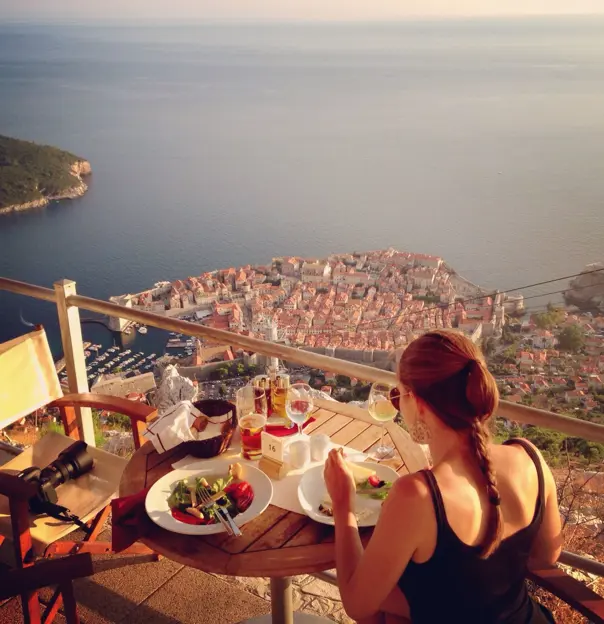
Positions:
{"x": 71, "y": 463}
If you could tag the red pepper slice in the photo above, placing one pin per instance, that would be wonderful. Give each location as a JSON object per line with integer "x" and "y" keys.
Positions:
{"x": 183, "y": 516}
{"x": 241, "y": 493}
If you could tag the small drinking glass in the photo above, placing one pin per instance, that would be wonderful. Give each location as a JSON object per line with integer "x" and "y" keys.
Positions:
{"x": 382, "y": 410}
{"x": 251, "y": 415}
{"x": 299, "y": 404}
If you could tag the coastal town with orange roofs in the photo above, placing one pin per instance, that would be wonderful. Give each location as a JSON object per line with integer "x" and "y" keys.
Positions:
{"x": 379, "y": 300}
{"x": 365, "y": 306}
{"x": 553, "y": 360}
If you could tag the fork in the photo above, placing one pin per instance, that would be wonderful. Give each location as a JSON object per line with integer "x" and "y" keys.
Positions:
{"x": 207, "y": 501}
{"x": 223, "y": 515}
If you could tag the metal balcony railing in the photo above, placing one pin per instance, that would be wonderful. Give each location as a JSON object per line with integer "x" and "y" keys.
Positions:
{"x": 68, "y": 303}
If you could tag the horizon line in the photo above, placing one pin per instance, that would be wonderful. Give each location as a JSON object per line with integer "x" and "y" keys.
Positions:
{"x": 66, "y": 20}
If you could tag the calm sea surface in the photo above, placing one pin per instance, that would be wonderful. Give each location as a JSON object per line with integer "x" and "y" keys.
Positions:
{"x": 217, "y": 145}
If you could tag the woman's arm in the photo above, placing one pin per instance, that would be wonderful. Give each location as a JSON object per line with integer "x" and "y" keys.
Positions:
{"x": 366, "y": 577}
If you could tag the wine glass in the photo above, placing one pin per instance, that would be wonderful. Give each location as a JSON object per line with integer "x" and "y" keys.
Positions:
{"x": 382, "y": 410}
{"x": 299, "y": 404}
{"x": 251, "y": 415}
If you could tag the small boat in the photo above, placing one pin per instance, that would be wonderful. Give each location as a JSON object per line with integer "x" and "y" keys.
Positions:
{"x": 142, "y": 329}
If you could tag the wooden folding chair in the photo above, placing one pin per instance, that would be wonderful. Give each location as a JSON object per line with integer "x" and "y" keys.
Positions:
{"x": 28, "y": 381}
{"x": 61, "y": 572}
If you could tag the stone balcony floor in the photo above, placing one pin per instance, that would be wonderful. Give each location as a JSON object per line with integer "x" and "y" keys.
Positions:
{"x": 169, "y": 593}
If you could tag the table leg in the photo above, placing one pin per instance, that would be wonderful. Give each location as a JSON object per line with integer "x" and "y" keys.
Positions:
{"x": 282, "y": 608}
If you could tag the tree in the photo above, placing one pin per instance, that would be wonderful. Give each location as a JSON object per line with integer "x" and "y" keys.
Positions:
{"x": 510, "y": 354}
{"x": 488, "y": 346}
{"x": 548, "y": 441}
{"x": 546, "y": 320}
{"x": 571, "y": 338}
{"x": 508, "y": 335}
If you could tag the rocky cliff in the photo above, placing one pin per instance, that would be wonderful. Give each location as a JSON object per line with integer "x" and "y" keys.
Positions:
{"x": 33, "y": 175}
{"x": 587, "y": 289}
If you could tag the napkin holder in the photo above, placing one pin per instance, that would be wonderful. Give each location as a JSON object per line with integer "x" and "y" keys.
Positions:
{"x": 273, "y": 468}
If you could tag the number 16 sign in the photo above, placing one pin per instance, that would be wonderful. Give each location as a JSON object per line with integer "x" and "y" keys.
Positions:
{"x": 272, "y": 447}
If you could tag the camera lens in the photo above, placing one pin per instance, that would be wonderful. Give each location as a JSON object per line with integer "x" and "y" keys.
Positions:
{"x": 70, "y": 464}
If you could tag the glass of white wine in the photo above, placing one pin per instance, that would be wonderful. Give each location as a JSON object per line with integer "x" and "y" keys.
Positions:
{"x": 381, "y": 409}
{"x": 299, "y": 404}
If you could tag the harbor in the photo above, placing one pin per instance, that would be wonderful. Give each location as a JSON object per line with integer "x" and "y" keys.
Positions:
{"x": 128, "y": 354}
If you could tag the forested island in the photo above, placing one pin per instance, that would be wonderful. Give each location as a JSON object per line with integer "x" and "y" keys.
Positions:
{"x": 32, "y": 175}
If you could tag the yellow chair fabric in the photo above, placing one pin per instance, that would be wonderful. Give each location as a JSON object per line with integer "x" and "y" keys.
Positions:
{"x": 28, "y": 378}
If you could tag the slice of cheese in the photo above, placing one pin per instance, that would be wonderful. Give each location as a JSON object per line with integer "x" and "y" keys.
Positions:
{"x": 360, "y": 473}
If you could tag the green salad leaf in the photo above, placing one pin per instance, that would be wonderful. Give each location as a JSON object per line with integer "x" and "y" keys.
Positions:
{"x": 180, "y": 496}
{"x": 381, "y": 493}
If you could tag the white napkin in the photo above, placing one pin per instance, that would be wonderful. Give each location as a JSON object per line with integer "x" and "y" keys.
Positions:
{"x": 285, "y": 491}
{"x": 173, "y": 427}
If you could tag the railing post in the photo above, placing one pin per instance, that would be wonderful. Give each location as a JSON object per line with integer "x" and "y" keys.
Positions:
{"x": 73, "y": 352}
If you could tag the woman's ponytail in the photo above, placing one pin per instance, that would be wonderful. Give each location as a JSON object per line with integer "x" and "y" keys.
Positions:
{"x": 481, "y": 389}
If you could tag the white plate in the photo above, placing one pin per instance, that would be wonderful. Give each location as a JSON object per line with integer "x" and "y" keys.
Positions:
{"x": 312, "y": 492}
{"x": 156, "y": 502}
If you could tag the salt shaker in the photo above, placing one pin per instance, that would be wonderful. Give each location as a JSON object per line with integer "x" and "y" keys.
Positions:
{"x": 319, "y": 447}
{"x": 299, "y": 453}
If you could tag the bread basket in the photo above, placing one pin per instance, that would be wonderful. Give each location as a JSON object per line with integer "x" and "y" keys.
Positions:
{"x": 223, "y": 412}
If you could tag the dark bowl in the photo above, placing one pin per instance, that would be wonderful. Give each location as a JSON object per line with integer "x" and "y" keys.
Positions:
{"x": 219, "y": 444}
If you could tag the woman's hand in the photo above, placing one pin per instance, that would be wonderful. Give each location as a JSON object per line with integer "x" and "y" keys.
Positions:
{"x": 339, "y": 481}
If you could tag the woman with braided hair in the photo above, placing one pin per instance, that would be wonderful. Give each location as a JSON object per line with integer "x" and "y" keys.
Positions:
{"x": 452, "y": 543}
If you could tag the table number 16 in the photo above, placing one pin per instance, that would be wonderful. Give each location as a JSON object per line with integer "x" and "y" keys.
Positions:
{"x": 272, "y": 447}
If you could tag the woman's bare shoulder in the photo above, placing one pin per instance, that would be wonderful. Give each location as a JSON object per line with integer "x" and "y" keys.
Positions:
{"x": 512, "y": 462}
{"x": 515, "y": 451}
{"x": 411, "y": 486}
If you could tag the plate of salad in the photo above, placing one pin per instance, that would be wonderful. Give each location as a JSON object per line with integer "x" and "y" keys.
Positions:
{"x": 174, "y": 502}
{"x": 373, "y": 483}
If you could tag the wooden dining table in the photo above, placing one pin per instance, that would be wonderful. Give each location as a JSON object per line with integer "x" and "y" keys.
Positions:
{"x": 278, "y": 543}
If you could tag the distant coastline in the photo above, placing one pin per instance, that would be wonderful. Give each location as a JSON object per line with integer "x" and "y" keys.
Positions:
{"x": 32, "y": 175}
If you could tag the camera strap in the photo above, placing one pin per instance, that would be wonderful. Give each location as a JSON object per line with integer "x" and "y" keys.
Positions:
{"x": 62, "y": 513}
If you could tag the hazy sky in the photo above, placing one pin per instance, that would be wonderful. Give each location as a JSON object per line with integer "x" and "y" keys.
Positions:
{"x": 285, "y": 9}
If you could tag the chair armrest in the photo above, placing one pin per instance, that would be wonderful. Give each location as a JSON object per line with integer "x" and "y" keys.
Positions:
{"x": 21, "y": 580}
{"x": 13, "y": 487}
{"x": 134, "y": 409}
{"x": 572, "y": 591}
{"x": 140, "y": 413}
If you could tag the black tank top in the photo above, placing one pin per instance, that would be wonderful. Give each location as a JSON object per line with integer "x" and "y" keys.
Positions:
{"x": 456, "y": 585}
